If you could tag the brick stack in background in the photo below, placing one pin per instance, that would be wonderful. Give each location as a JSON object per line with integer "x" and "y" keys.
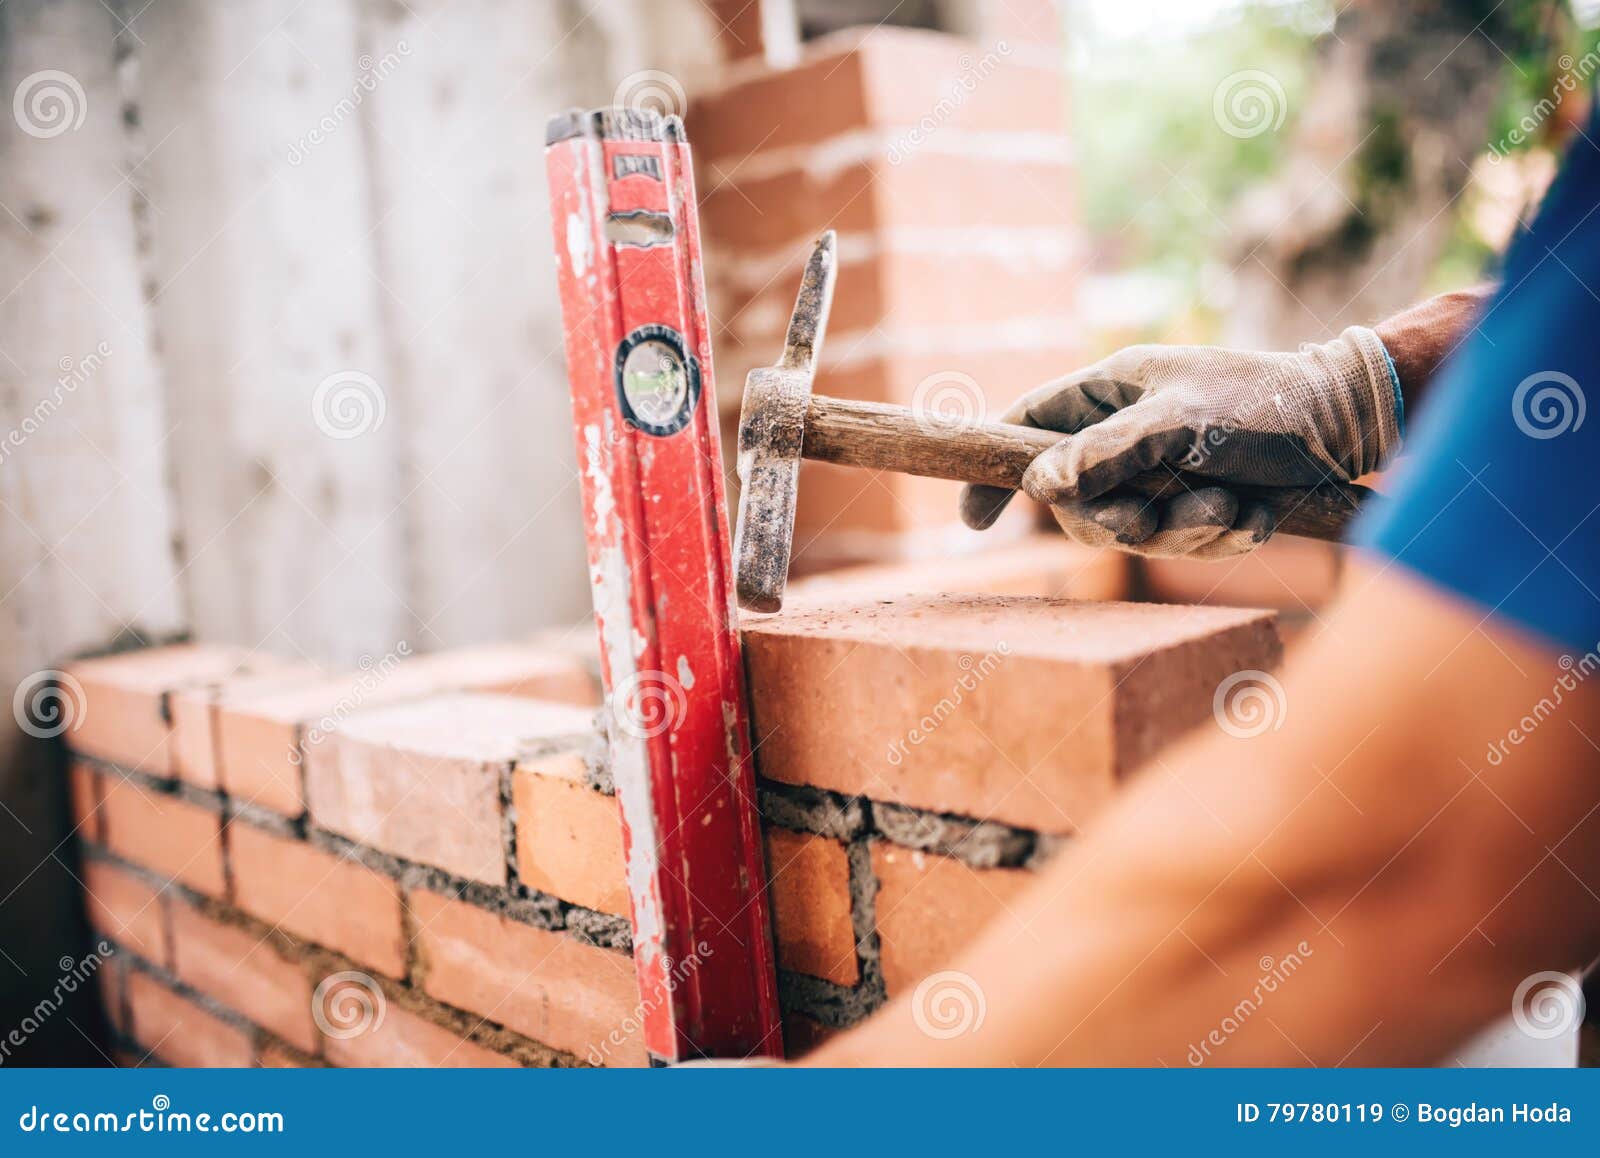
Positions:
{"x": 942, "y": 161}
{"x": 416, "y": 842}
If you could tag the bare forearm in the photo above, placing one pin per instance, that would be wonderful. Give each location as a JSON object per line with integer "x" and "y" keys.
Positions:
{"x": 1420, "y": 338}
{"x": 1356, "y": 885}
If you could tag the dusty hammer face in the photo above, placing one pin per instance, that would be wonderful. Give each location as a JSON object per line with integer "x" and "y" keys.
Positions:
{"x": 772, "y": 427}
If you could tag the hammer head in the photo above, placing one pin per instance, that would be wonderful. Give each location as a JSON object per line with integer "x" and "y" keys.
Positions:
{"x": 772, "y": 427}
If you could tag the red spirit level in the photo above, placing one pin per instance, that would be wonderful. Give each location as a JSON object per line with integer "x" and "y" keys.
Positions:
{"x": 627, "y": 240}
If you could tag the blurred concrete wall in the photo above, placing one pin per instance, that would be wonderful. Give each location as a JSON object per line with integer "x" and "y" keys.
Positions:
{"x": 280, "y": 352}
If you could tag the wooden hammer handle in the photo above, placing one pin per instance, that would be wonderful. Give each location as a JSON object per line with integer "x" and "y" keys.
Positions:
{"x": 883, "y": 437}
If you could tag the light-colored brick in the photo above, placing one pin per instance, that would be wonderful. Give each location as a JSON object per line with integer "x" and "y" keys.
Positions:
{"x": 809, "y": 877}
{"x": 929, "y": 907}
{"x": 318, "y": 896}
{"x": 1025, "y": 711}
{"x": 403, "y": 1039}
{"x": 194, "y": 739}
{"x": 264, "y": 730}
{"x": 123, "y": 718}
{"x": 569, "y": 837}
{"x": 126, "y": 910}
{"x": 245, "y": 973}
{"x": 174, "y": 837}
{"x": 421, "y": 779}
{"x": 179, "y": 1032}
{"x": 545, "y": 985}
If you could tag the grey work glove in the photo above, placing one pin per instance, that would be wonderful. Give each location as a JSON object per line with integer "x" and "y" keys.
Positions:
{"x": 1326, "y": 413}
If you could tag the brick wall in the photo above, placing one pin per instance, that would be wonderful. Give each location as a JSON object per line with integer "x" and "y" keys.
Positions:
{"x": 442, "y": 845}
{"x": 944, "y": 165}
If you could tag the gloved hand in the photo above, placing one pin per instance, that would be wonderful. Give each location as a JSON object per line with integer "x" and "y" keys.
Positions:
{"x": 1327, "y": 413}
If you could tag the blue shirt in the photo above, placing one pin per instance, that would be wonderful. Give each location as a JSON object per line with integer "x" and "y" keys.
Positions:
{"x": 1498, "y": 497}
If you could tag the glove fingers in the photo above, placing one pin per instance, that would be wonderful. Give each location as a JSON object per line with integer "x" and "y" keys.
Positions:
{"x": 1209, "y": 523}
{"x": 1107, "y": 454}
{"x": 1064, "y": 405}
{"x": 1254, "y": 526}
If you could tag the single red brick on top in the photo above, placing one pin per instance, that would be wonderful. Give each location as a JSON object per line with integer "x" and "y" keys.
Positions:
{"x": 1025, "y": 711}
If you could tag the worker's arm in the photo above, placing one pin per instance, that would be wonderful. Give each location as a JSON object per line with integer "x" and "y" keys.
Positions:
{"x": 1367, "y": 883}
{"x": 1329, "y": 412}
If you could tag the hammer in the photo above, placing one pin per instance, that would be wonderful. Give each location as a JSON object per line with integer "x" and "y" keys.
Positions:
{"x": 781, "y": 421}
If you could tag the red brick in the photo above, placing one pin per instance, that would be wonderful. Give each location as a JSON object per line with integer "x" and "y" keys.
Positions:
{"x": 1025, "y": 711}
{"x": 810, "y": 881}
{"x": 265, "y": 730}
{"x": 173, "y": 837}
{"x": 893, "y": 78}
{"x": 1294, "y": 575}
{"x": 545, "y": 985}
{"x": 179, "y": 1032}
{"x": 569, "y": 837}
{"x": 404, "y": 1039}
{"x": 421, "y": 779}
{"x": 319, "y": 897}
{"x": 245, "y": 973}
{"x": 123, "y": 716}
{"x": 83, "y": 788}
{"x": 126, "y": 910}
{"x": 193, "y": 712}
{"x": 929, "y": 907}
